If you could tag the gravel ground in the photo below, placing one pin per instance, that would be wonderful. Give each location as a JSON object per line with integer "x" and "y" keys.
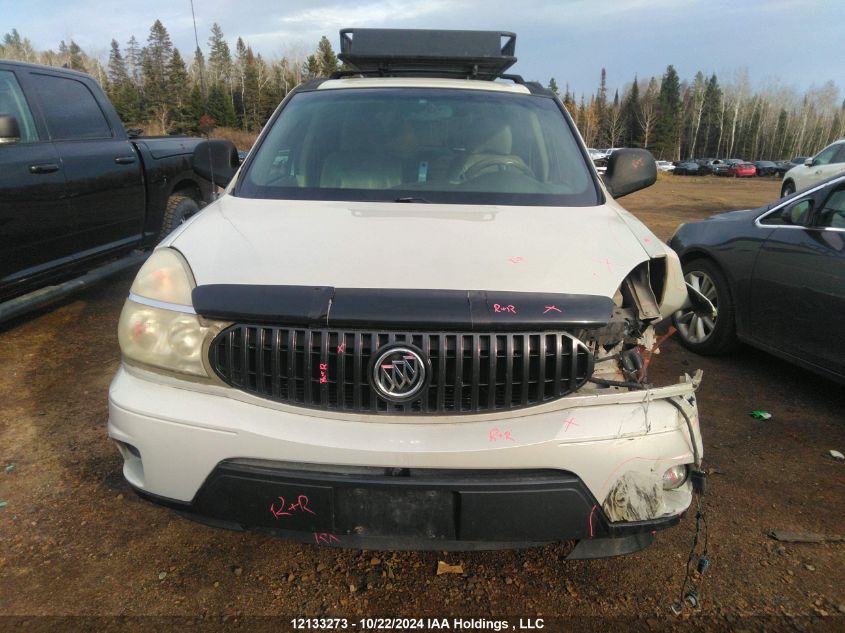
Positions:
{"x": 75, "y": 540}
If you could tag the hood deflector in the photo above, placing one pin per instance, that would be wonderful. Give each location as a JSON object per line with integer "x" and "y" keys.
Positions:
{"x": 473, "y": 310}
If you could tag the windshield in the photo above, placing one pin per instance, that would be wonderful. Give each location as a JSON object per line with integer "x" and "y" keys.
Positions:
{"x": 420, "y": 145}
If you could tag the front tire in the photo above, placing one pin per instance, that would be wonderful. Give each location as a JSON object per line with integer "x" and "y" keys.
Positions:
{"x": 179, "y": 208}
{"x": 699, "y": 331}
{"x": 788, "y": 189}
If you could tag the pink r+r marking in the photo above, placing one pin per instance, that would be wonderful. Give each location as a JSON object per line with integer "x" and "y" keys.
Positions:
{"x": 325, "y": 537}
{"x": 301, "y": 504}
{"x": 500, "y": 308}
{"x": 496, "y": 434}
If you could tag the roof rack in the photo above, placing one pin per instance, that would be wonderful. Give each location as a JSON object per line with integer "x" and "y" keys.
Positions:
{"x": 391, "y": 52}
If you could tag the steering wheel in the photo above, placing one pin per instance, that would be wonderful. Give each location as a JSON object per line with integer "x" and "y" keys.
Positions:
{"x": 496, "y": 164}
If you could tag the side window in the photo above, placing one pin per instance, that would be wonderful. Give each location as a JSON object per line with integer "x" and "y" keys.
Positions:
{"x": 833, "y": 212}
{"x": 794, "y": 214}
{"x": 70, "y": 109}
{"x": 13, "y": 102}
{"x": 826, "y": 155}
{"x": 840, "y": 157}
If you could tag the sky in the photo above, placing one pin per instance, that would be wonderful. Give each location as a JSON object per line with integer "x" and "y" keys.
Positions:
{"x": 795, "y": 43}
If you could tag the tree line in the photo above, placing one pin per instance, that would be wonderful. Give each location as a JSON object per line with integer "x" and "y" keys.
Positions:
{"x": 154, "y": 84}
{"x": 677, "y": 119}
{"x": 673, "y": 118}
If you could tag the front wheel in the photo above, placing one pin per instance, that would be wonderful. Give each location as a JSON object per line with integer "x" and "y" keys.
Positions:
{"x": 788, "y": 189}
{"x": 701, "y": 329}
{"x": 179, "y": 208}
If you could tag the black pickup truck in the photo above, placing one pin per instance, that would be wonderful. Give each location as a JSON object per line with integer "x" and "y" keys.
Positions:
{"x": 75, "y": 189}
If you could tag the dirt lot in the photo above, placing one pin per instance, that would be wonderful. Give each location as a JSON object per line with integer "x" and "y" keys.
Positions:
{"x": 75, "y": 540}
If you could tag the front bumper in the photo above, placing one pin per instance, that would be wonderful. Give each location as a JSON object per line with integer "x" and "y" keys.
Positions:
{"x": 555, "y": 473}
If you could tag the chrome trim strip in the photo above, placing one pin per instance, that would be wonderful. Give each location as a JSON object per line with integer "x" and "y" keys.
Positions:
{"x": 164, "y": 305}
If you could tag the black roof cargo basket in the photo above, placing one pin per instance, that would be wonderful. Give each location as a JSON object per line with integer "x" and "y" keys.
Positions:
{"x": 386, "y": 52}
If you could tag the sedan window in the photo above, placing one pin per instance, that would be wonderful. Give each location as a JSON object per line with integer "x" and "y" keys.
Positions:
{"x": 832, "y": 214}
{"x": 825, "y": 156}
{"x": 794, "y": 214}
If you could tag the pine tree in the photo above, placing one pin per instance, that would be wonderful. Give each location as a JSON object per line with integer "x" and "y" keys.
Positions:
{"x": 667, "y": 128}
{"x": 197, "y": 72}
{"x": 76, "y": 62}
{"x": 156, "y": 57}
{"x": 122, "y": 92}
{"x": 219, "y": 57}
{"x": 710, "y": 117}
{"x": 178, "y": 89}
{"x": 132, "y": 55}
{"x": 326, "y": 58}
{"x": 220, "y": 106}
{"x": 633, "y": 130}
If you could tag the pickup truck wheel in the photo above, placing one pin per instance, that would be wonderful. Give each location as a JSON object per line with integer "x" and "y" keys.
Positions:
{"x": 179, "y": 208}
{"x": 701, "y": 331}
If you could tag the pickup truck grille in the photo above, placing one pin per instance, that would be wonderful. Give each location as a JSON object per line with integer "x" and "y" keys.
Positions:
{"x": 332, "y": 369}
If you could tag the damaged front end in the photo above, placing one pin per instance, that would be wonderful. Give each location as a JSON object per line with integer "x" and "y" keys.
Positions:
{"x": 650, "y": 481}
{"x": 624, "y": 347}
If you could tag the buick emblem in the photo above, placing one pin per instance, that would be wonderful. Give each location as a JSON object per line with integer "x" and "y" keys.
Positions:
{"x": 399, "y": 373}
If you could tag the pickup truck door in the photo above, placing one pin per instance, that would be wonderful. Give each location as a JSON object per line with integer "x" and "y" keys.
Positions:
{"x": 36, "y": 224}
{"x": 103, "y": 171}
{"x": 798, "y": 289}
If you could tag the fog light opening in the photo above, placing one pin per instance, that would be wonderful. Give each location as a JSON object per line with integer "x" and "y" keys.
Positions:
{"x": 675, "y": 476}
{"x": 133, "y": 467}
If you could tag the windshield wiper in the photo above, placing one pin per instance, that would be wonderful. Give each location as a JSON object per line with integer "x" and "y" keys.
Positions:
{"x": 411, "y": 199}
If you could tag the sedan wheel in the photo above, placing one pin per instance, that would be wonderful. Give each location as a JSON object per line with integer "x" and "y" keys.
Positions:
{"x": 707, "y": 326}
{"x": 787, "y": 190}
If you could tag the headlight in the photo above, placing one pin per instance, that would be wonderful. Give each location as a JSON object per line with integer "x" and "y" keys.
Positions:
{"x": 158, "y": 327}
{"x": 675, "y": 477}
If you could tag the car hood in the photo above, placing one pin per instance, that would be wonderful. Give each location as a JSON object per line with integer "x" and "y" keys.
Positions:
{"x": 579, "y": 250}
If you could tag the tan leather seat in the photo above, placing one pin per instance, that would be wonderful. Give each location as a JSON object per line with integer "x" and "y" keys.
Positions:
{"x": 361, "y": 162}
{"x": 489, "y": 147}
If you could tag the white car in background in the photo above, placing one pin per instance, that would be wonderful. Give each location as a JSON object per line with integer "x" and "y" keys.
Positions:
{"x": 665, "y": 165}
{"x": 596, "y": 154}
{"x": 826, "y": 164}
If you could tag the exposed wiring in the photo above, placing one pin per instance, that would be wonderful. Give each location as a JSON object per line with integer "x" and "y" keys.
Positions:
{"x": 692, "y": 597}
{"x": 696, "y": 456}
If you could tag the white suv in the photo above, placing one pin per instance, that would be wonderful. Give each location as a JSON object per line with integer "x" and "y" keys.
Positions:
{"x": 415, "y": 319}
{"x": 827, "y": 163}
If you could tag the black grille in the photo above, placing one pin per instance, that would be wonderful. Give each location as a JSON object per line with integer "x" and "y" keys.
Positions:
{"x": 471, "y": 372}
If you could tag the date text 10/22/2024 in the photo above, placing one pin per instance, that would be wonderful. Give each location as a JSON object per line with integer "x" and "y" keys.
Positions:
{"x": 416, "y": 624}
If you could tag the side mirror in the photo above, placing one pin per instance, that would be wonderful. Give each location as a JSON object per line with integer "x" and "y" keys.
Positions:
{"x": 629, "y": 170}
{"x": 10, "y": 131}
{"x": 216, "y": 161}
{"x": 808, "y": 162}
{"x": 797, "y": 213}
